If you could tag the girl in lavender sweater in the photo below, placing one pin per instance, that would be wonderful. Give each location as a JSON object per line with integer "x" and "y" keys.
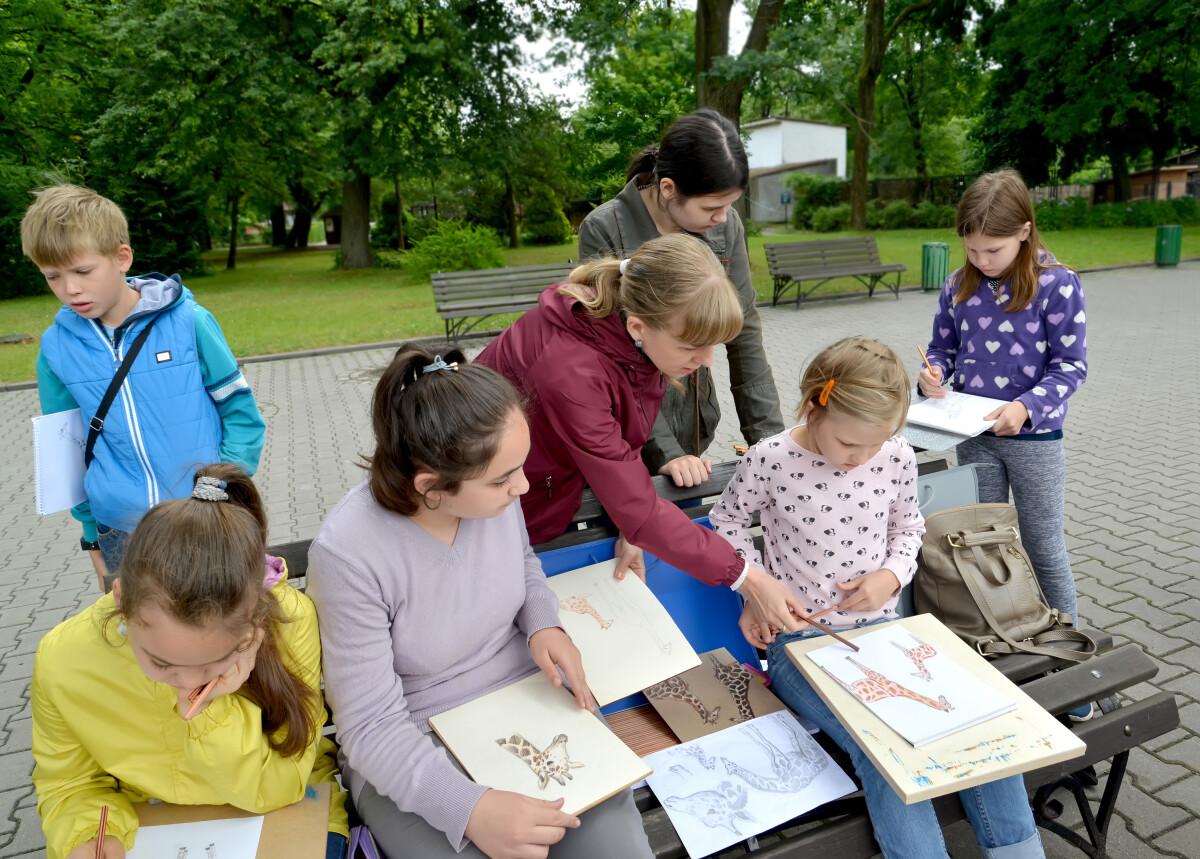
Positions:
{"x": 837, "y": 498}
{"x": 1011, "y": 324}
{"x": 430, "y": 596}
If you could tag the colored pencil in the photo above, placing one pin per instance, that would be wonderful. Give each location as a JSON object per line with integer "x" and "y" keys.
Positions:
{"x": 100, "y": 836}
{"x": 197, "y": 697}
{"x": 930, "y": 366}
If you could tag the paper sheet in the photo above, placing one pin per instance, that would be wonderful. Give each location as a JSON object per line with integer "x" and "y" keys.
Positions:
{"x": 58, "y": 443}
{"x": 234, "y": 838}
{"x": 956, "y": 412}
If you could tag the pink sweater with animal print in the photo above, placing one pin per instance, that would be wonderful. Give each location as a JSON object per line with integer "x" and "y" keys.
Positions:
{"x": 823, "y": 525}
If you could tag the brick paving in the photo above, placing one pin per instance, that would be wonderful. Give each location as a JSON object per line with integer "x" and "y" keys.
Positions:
{"x": 1133, "y": 514}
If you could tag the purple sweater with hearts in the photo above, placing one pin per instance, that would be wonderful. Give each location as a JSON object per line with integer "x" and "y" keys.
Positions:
{"x": 1037, "y": 355}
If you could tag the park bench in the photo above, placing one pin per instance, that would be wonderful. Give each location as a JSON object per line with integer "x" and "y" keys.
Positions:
{"x": 464, "y": 299}
{"x": 793, "y": 264}
{"x": 843, "y": 826}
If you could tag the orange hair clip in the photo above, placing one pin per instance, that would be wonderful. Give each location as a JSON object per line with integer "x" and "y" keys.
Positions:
{"x": 823, "y": 397}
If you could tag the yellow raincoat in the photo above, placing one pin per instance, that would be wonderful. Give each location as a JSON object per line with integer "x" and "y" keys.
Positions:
{"x": 106, "y": 734}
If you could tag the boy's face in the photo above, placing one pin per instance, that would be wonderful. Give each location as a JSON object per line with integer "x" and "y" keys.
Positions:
{"x": 93, "y": 285}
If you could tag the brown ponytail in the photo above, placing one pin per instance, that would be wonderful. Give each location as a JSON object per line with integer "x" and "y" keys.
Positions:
{"x": 203, "y": 562}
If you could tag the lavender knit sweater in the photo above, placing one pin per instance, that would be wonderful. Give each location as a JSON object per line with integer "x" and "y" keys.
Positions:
{"x": 1037, "y": 355}
{"x": 410, "y": 628}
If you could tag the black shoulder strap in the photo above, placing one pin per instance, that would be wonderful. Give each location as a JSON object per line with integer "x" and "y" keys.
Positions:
{"x": 96, "y": 424}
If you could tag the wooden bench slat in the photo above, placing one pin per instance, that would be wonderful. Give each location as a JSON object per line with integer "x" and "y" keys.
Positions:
{"x": 791, "y": 264}
{"x": 481, "y": 293}
{"x": 487, "y": 272}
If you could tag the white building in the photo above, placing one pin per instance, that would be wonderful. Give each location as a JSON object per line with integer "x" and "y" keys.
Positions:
{"x": 777, "y": 147}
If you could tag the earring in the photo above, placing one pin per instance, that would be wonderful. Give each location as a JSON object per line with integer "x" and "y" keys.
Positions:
{"x": 637, "y": 343}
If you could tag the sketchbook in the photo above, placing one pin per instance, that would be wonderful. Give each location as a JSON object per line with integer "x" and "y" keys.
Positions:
{"x": 921, "y": 693}
{"x": 58, "y": 443}
{"x": 233, "y": 838}
{"x": 725, "y": 787}
{"x": 956, "y": 413}
{"x": 627, "y": 640}
{"x": 531, "y": 738}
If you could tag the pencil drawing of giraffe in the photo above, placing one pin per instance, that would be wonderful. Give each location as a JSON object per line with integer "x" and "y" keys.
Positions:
{"x": 581, "y": 605}
{"x": 736, "y": 679}
{"x": 552, "y": 763}
{"x": 918, "y": 655}
{"x": 876, "y": 686}
{"x": 676, "y": 689}
{"x": 722, "y": 807}
{"x": 696, "y": 752}
{"x": 792, "y": 770}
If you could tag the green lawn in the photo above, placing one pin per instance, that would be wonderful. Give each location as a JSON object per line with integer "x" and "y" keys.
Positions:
{"x": 280, "y": 302}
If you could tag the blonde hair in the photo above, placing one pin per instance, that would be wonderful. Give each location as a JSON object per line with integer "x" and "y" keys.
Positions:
{"x": 998, "y": 205}
{"x": 869, "y": 383}
{"x": 66, "y": 221}
{"x": 669, "y": 280}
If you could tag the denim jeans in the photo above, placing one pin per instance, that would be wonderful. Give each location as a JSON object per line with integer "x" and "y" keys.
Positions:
{"x": 112, "y": 549}
{"x": 999, "y": 811}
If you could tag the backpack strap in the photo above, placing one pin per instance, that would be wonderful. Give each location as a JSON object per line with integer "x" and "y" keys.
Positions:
{"x": 96, "y": 424}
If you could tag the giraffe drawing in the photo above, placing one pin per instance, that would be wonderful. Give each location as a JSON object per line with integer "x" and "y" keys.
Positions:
{"x": 918, "y": 655}
{"x": 722, "y": 807}
{"x": 676, "y": 689}
{"x": 582, "y": 605}
{"x": 696, "y": 752}
{"x": 792, "y": 770}
{"x": 736, "y": 679}
{"x": 876, "y": 686}
{"x": 552, "y": 763}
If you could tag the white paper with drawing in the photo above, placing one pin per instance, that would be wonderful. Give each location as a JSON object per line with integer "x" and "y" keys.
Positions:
{"x": 724, "y": 787}
{"x": 58, "y": 443}
{"x": 627, "y": 639}
{"x": 919, "y": 692}
{"x": 233, "y": 838}
{"x": 956, "y": 412}
{"x": 531, "y": 738}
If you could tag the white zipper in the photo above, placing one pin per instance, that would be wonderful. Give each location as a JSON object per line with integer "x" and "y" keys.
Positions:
{"x": 135, "y": 431}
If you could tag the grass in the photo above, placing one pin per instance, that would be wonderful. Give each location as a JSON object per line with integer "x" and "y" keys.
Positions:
{"x": 280, "y": 302}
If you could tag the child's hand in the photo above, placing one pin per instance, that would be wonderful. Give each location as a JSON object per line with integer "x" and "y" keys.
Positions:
{"x": 231, "y": 678}
{"x": 869, "y": 592}
{"x": 507, "y": 825}
{"x": 113, "y": 849}
{"x": 1009, "y": 419}
{"x": 99, "y": 566}
{"x": 753, "y": 630}
{"x": 771, "y": 602}
{"x": 931, "y": 383}
{"x": 629, "y": 558}
{"x": 551, "y": 649}
{"x": 688, "y": 470}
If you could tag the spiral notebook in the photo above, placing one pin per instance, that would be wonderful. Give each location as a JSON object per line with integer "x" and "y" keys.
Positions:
{"x": 58, "y": 443}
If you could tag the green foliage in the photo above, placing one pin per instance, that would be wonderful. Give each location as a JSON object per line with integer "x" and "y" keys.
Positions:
{"x": 455, "y": 246}
{"x": 897, "y": 215}
{"x": 831, "y": 219}
{"x": 809, "y": 193}
{"x": 1054, "y": 215}
{"x": 754, "y": 228}
{"x": 928, "y": 215}
{"x": 545, "y": 223}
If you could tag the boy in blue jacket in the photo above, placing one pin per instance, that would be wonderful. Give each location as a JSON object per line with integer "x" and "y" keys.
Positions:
{"x": 184, "y": 402}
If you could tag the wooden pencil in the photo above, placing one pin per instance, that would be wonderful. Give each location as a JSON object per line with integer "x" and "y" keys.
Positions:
{"x": 197, "y": 697}
{"x": 100, "y": 836}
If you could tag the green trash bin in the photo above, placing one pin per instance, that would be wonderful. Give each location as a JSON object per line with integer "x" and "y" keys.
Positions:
{"x": 1168, "y": 244}
{"x": 935, "y": 265}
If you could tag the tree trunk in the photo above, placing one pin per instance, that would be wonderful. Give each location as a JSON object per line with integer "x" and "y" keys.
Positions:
{"x": 356, "y": 222}
{"x": 712, "y": 43}
{"x": 1122, "y": 189}
{"x": 278, "y": 227}
{"x": 306, "y": 206}
{"x": 510, "y": 209}
{"x": 869, "y": 69}
{"x": 231, "y": 259}
{"x": 399, "y": 217}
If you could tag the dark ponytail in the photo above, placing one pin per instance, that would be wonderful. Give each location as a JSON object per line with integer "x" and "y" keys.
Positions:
{"x": 701, "y": 153}
{"x": 202, "y": 561}
{"x": 446, "y": 421}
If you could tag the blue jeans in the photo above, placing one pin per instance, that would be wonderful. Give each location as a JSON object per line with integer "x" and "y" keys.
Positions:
{"x": 999, "y": 811}
{"x": 112, "y": 549}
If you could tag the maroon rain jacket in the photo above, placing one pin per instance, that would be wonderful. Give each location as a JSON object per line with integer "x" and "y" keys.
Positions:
{"x": 592, "y": 398}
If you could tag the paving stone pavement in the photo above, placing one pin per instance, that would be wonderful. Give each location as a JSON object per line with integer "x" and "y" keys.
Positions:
{"x": 1133, "y": 514}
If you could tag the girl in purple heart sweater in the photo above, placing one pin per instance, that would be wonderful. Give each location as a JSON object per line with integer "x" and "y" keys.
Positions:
{"x": 1011, "y": 325}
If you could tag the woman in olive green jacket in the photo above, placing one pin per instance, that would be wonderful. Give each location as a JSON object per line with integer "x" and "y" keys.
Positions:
{"x": 688, "y": 183}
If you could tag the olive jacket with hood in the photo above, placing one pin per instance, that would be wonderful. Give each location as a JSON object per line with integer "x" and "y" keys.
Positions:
{"x": 592, "y": 398}
{"x": 688, "y": 420}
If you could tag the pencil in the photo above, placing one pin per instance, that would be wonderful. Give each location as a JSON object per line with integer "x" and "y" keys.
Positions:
{"x": 930, "y": 366}
{"x": 100, "y": 836}
{"x": 833, "y": 634}
{"x": 197, "y": 697}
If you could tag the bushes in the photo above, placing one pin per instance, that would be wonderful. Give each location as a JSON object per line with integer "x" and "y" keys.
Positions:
{"x": 810, "y": 193}
{"x": 545, "y": 223}
{"x": 831, "y": 219}
{"x": 1075, "y": 212}
{"x": 897, "y": 215}
{"x": 455, "y": 246}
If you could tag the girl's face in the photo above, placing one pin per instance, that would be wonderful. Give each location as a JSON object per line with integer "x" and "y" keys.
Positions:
{"x": 673, "y": 357}
{"x": 489, "y": 494}
{"x": 994, "y": 255}
{"x": 178, "y": 654}
{"x": 844, "y": 441}
{"x": 697, "y": 214}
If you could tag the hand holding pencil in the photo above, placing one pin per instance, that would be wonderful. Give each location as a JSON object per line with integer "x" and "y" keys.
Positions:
{"x": 930, "y": 381}
{"x": 227, "y": 682}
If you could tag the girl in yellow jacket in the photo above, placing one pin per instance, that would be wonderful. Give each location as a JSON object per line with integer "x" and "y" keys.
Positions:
{"x": 112, "y": 685}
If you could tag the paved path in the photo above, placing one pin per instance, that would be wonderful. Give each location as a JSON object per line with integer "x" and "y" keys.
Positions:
{"x": 1133, "y": 513}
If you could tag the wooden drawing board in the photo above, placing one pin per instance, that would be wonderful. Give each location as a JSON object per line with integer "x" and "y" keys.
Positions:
{"x": 1019, "y": 741}
{"x": 297, "y": 831}
{"x": 715, "y": 695}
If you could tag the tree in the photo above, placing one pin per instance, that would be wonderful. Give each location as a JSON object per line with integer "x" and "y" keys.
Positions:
{"x": 721, "y": 81}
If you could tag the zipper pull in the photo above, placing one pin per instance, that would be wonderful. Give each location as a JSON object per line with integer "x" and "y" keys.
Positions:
{"x": 549, "y": 490}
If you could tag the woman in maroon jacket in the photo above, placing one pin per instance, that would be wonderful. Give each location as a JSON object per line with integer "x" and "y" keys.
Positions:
{"x": 593, "y": 359}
